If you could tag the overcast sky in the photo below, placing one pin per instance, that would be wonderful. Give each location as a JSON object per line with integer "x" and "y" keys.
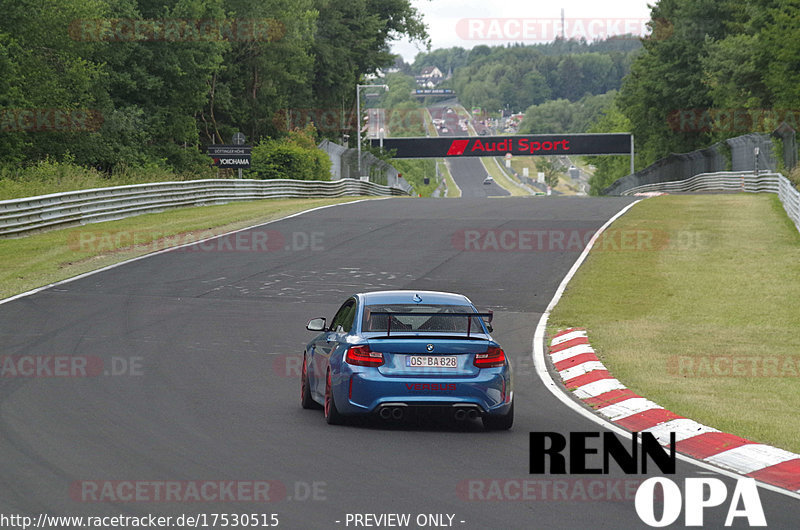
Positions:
{"x": 467, "y": 23}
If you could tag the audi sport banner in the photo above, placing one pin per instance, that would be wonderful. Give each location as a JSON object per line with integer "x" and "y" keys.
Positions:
{"x": 230, "y": 156}
{"x": 536, "y": 144}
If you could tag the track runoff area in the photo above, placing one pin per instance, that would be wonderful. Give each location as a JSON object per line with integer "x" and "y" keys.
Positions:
{"x": 185, "y": 399}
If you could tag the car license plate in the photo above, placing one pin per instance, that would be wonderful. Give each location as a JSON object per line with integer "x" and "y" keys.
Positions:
{"x": 431, "y": 361}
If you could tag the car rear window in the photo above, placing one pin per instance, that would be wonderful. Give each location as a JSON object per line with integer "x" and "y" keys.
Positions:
{"x": 443, "y": 321}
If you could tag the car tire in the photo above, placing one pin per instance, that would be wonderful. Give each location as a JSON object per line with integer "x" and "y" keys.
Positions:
{"x": 499, "y": 423}
{"x": 332, "y": 415}
{"x": 306, "y": 401}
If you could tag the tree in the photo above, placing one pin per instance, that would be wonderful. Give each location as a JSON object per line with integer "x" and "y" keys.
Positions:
{"x": 562, "y": 116}
{"x": 608, "y": 168}
{"x": 668, "y": 76}
{"x": 550, "y": 168}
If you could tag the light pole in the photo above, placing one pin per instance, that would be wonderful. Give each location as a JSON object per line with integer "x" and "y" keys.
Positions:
{"x": 358, "y": 112}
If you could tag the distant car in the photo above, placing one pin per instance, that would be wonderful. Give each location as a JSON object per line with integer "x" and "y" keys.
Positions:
{"x": 445, "y": 130}
{"x": 388, "y": 353}
{"x": 449, "y": 111}
{"x": 488, "y": 180}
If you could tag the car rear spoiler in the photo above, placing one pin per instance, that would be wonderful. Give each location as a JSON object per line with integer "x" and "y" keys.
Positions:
{"x": 369, "y": 313}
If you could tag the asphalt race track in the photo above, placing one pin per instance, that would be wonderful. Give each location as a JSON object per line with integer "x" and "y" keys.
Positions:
{"x": 215, "y": 334}
{"x": 468, "y": 172}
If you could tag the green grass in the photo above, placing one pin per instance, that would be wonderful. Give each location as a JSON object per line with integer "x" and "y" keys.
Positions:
{"x": 711, "y": 276}
{"x": 429, "y": 126}
{"x": 41, "y": 259}
{"x": 464, "y": 113}
{"x": 452, "y": 188}
{"x": 502, "y": 179}
{"x": 415, "y": 170}
{"x": 565, "y": 184}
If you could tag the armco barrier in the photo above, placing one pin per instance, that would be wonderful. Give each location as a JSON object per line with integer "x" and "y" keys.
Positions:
{"x": 732, "y": 181}
{"x": 19, "y": 217}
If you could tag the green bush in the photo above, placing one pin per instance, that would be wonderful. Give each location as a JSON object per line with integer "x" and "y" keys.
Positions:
{"x": 794, "y": 176}
{"x": 294, "y": 157}
{"x": 415, "y": 171}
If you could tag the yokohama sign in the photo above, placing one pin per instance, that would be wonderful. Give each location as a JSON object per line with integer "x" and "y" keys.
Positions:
{"x": 539, "y": 144}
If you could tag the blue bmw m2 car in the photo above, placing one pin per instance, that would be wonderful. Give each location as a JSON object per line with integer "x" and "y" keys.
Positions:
{"x": 389, "y": 352}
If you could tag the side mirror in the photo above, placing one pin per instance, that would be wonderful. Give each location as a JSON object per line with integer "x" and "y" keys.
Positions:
{"x": 317, "y": 324}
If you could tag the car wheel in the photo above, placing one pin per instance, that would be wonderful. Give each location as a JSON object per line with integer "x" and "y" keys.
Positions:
{"x": 332, "y": 415}
{"x": 499, "y": 423}
{"x": 306, "y": 401}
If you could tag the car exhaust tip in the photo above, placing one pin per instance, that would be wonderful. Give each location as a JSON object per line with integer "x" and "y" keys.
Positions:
{"x": 385, "y": 413}
{"x": 472, "y": 414}
{"x": 397, "y": 413}
{"x": 460, "y": 414}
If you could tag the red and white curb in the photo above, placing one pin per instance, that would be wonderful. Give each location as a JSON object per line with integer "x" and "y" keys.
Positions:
{"x": 585, "y": 375}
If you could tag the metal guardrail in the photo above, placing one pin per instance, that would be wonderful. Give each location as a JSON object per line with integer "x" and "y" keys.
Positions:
{"x": 733, "y": 181}
{"x": 19, "y": 217}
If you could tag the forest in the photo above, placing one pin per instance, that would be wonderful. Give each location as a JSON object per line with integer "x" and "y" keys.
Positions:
{"x": 709, "y": 70}
{"x": 111, "y": 85}
{"x": 514, "y": 77}
{"x": 115, "y": 84}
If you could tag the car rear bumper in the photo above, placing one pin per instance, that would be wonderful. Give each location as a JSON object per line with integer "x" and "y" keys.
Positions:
{"x": 364, "y": 392}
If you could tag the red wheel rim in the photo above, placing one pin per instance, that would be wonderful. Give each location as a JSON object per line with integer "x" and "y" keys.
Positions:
{"x": 303, "y": 381}
{"x": 328, "y": 395}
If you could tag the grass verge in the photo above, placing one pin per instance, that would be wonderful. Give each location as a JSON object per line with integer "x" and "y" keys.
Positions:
{"x": 700, "y": 311}
{"x": 41, "y": 259}
{"x": 452, "y": 188}
{"x": 429, "y": 126}
{"x": 502, "y": 179}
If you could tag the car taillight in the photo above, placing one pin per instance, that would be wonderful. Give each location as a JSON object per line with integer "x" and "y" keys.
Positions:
{"x": 363, "y": 356}
{"x": 495, "y": 356}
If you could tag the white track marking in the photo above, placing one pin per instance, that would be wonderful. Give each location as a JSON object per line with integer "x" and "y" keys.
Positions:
{"x": 596, "y": 388}
{"x": 684, "y": 428}
{"x": 750, "y": 457}
{"x": 568, "y": 336}
{"x": 571, "y": 352}
{"x": 581, "y": 369}
{"x": 627, "y": 407}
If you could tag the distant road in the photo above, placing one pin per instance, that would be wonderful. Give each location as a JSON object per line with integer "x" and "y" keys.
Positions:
{"x": 468, "y": 172}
